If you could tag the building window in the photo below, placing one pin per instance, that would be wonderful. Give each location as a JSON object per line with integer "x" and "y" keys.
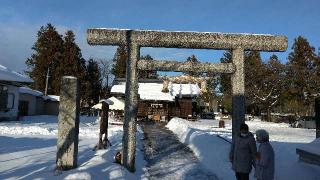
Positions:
{"x": 3, "y": 97}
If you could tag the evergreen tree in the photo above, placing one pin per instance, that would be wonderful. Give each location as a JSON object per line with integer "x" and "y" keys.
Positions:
{"x": 72, "y": 63}
{"x": 192, "y": 60}
{"x": 225, "y": 82}
{"x": 225, "y": 79}
{"x": 147, "y": 74}
{"x": 254, "y": 73}
{"x": 92, "y": 83}
{"x": 302, "y": 79}
{"x": 47, "y": 55}
{"x": 268, "y": 92}
{"x": 120, "y": 60}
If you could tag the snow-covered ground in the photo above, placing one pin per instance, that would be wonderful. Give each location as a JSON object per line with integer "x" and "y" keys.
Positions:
{"x": 212, "y": 151}
{"x": 28, "y": 151}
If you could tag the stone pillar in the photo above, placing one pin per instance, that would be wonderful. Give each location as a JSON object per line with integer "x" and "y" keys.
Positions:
{"x": 130, "y": 116}
{"x": 238, "y": 99}
{"x": 68, "y": 125}
{"x": 317, "y": 116}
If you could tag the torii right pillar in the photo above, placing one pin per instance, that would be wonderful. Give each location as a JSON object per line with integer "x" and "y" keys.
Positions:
{"x": 238, "y": 99}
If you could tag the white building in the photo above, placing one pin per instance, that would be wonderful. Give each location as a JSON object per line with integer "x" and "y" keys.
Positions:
{"x": 10, "y": 81}
{"x": 17, "y": 100}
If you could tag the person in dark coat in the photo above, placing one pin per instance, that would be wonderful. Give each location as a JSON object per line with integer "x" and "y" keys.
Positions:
{"x": 243, "y": 153}
{"x": 265, "y": 157}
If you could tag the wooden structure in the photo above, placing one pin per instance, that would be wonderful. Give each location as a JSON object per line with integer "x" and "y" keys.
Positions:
{"x": 135, "y": 39}
{"x": 164, "y": 110}
{"x": 157, "y": 105}
{"x": 310, "y": 153}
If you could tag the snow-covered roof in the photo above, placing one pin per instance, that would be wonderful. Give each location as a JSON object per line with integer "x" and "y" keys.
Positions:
{"x": 152, "y": 91}
{"x": 115, "y": 105}
{"x": 52, "y": 98}
{"x": 26, "y": 90}
{"x": 12, "y": 76}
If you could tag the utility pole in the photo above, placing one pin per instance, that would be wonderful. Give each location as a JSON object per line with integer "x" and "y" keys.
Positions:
{"x": 47, "y": 81}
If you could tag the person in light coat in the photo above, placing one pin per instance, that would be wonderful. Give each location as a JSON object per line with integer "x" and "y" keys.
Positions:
{"x": 243, "y": 153}
{"x": 265, "y": 157}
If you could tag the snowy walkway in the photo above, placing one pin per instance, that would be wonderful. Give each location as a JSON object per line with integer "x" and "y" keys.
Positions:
{"x": 168, "y": 158}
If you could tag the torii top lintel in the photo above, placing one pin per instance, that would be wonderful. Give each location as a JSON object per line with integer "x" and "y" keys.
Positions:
{"x": 193, "y": 40}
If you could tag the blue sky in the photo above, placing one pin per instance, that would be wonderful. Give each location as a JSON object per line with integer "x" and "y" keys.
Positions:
{"x": 21, "y": 19}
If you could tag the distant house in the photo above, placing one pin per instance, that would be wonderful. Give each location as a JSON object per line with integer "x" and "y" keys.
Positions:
{"x": 17, "y": 100}
{"x": 157, "y": 105}
{"x": 10, "y": 81}
{"x": 33, "y": 102}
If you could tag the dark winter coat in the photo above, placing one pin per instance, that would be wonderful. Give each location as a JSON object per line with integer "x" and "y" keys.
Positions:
{"x": 243, "y": 153}
{"x": 265, "y": 165}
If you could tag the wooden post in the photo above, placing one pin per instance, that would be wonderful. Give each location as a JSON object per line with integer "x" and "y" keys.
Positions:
{"x": 68, "y": 125}
{"x": 131, "y": 102}
{"x": 104, "y": 118}
{"x": 238, "y": 99}
{"x": 317, "y": 116}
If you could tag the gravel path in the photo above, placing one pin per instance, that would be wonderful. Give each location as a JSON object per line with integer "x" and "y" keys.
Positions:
{"x": 168, "y": 158}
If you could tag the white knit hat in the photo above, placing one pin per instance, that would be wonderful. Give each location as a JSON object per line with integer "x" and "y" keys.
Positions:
{"x": 263, "y": 134}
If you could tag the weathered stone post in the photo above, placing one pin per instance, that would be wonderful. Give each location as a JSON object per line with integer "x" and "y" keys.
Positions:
{"x": 238, "y": 99}
{"x": 129, "y": 127}
{"x": 317, "y": 116}
{"x": 68, "y": 125}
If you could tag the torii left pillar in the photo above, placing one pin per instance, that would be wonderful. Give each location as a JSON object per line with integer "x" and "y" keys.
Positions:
{"x": 68, "y": 125}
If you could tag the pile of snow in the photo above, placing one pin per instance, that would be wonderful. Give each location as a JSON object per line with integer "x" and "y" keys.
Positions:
{"x": 12, "y": 76}
{"x": 313, "y": 147}
{"x": 153, "y": 91}
{"x": 48, "y": 125}
{"x": 202, "y": 137}
{"x": 28, "y": 151}
{"x": 211, "y": 150}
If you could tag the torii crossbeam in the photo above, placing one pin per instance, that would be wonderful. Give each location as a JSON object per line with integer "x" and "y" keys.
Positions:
{"x": 135, "y": 39}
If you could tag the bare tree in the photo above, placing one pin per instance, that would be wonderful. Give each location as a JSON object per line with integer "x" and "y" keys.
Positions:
{"x": 105, "y": 67}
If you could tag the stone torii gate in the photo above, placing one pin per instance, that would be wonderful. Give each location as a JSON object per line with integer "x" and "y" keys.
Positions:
{"x": 135, "y": 39}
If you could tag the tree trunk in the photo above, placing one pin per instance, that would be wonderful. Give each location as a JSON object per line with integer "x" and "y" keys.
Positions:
{"x": 268, "y": 114}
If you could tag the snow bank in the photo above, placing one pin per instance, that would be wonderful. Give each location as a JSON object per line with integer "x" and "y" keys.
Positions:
{"x": 313, "y": 147}
{"x": 47, "y": 125}
{"x": 211, "y": 150}
{"x": 201, "y": 137}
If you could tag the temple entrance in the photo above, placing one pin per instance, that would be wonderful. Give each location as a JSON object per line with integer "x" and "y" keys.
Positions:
{"x": 135, "y": 39}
